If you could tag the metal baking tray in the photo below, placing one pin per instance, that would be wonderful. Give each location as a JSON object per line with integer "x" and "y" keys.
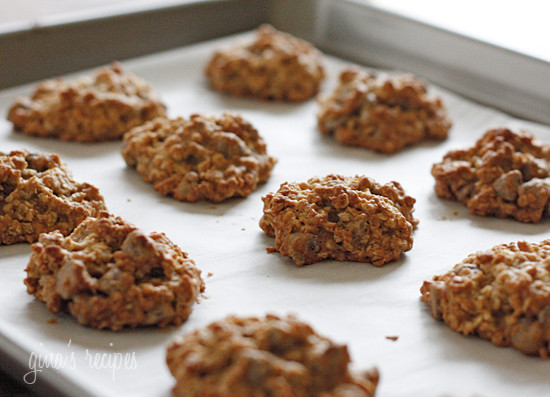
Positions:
{"x": 353, "y": 303}
{"x": 358, "y": 30}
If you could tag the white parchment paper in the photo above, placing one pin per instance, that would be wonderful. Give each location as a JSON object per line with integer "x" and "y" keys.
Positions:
{"x": 353, "y": 303}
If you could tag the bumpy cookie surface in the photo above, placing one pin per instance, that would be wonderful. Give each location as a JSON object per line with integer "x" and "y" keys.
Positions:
{"x": 109, "y": 274}
{"x": 506, "y": 174}
{"x": 200, "y": 158}
{"x": 275, "y": 66}
{"x": 38, "y": 195}
{"x": 270, "y": 356}
{"x": 501, "y": 294}
{"x": 381, "y": 113}
{"x": 91, "y": 109}
{"x": 341, "y": 218}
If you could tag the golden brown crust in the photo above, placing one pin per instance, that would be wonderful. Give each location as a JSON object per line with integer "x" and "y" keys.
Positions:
{"x": 91, "y": 109}
{"x": 506, "y": 174}
{"x": 38, "y": 195}
{"x": 203, "y": 158}
{"x": 109, "y": 274}
{"x": 270, "y": 356}
{"x": 275, "y": 66}
{"x": 381, "y": 113}
{"x": 501, "y": 294}
{"x": 341, "y": 218}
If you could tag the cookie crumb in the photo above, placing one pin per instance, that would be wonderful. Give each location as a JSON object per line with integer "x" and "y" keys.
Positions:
{"x": 52, "y": 321}
{"x": 392, "y": 338}
{"x": 443, "y": 218}
{"x": 209, "y": 274}
{"x": 455, "y": 213}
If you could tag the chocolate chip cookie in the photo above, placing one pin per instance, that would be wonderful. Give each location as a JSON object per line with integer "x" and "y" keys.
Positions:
{"x": 506, "y": 174}
{"x": 268, "y": 356}
{"x": 38, "y": 195}
{"x": 341, "y": 218}
{"x": 200, "y": 158}
{"x": 501, "y": 294}
{"x": 91, "y": 109}
{"x": 108, "y": 274}
{"x": 381, "y": 113}
{"x": 274, "y": 66}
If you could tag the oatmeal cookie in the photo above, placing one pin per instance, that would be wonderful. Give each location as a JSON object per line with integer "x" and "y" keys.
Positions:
{"x": 275, "y": 66}
{"x": 109, "y": 274}
{"x": 506, "y": 174}
{"x": 270, "y": 356}
{"x": 341, "y": 218}
{"x": 501, "y": 294}
{"x": 381, "y": 113}
{"x": 91, "y": 109}
{"x": 202, "y": 158}
{"x": 38, "y": 195}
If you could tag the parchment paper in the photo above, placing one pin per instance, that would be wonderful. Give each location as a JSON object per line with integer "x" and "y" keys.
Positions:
{"x": 353, "y": 303}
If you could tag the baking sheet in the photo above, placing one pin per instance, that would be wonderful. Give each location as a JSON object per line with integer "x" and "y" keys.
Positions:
{"x": 352, "y": 303}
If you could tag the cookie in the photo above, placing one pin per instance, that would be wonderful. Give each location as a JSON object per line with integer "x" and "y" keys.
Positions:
{"x": 381, "y": 113}
{"x": 38, "y": 195}
{"x": 269, "y": 356}
{"x": 90, "y": 109}
{"x": 274, "y": 66}
{"x": 108, "y": 274}
{"x": 506, "y": 175}
{"x": 341, "y": 218}
{"x": 200, "y": 158}
{"x": 501, "y": 294}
